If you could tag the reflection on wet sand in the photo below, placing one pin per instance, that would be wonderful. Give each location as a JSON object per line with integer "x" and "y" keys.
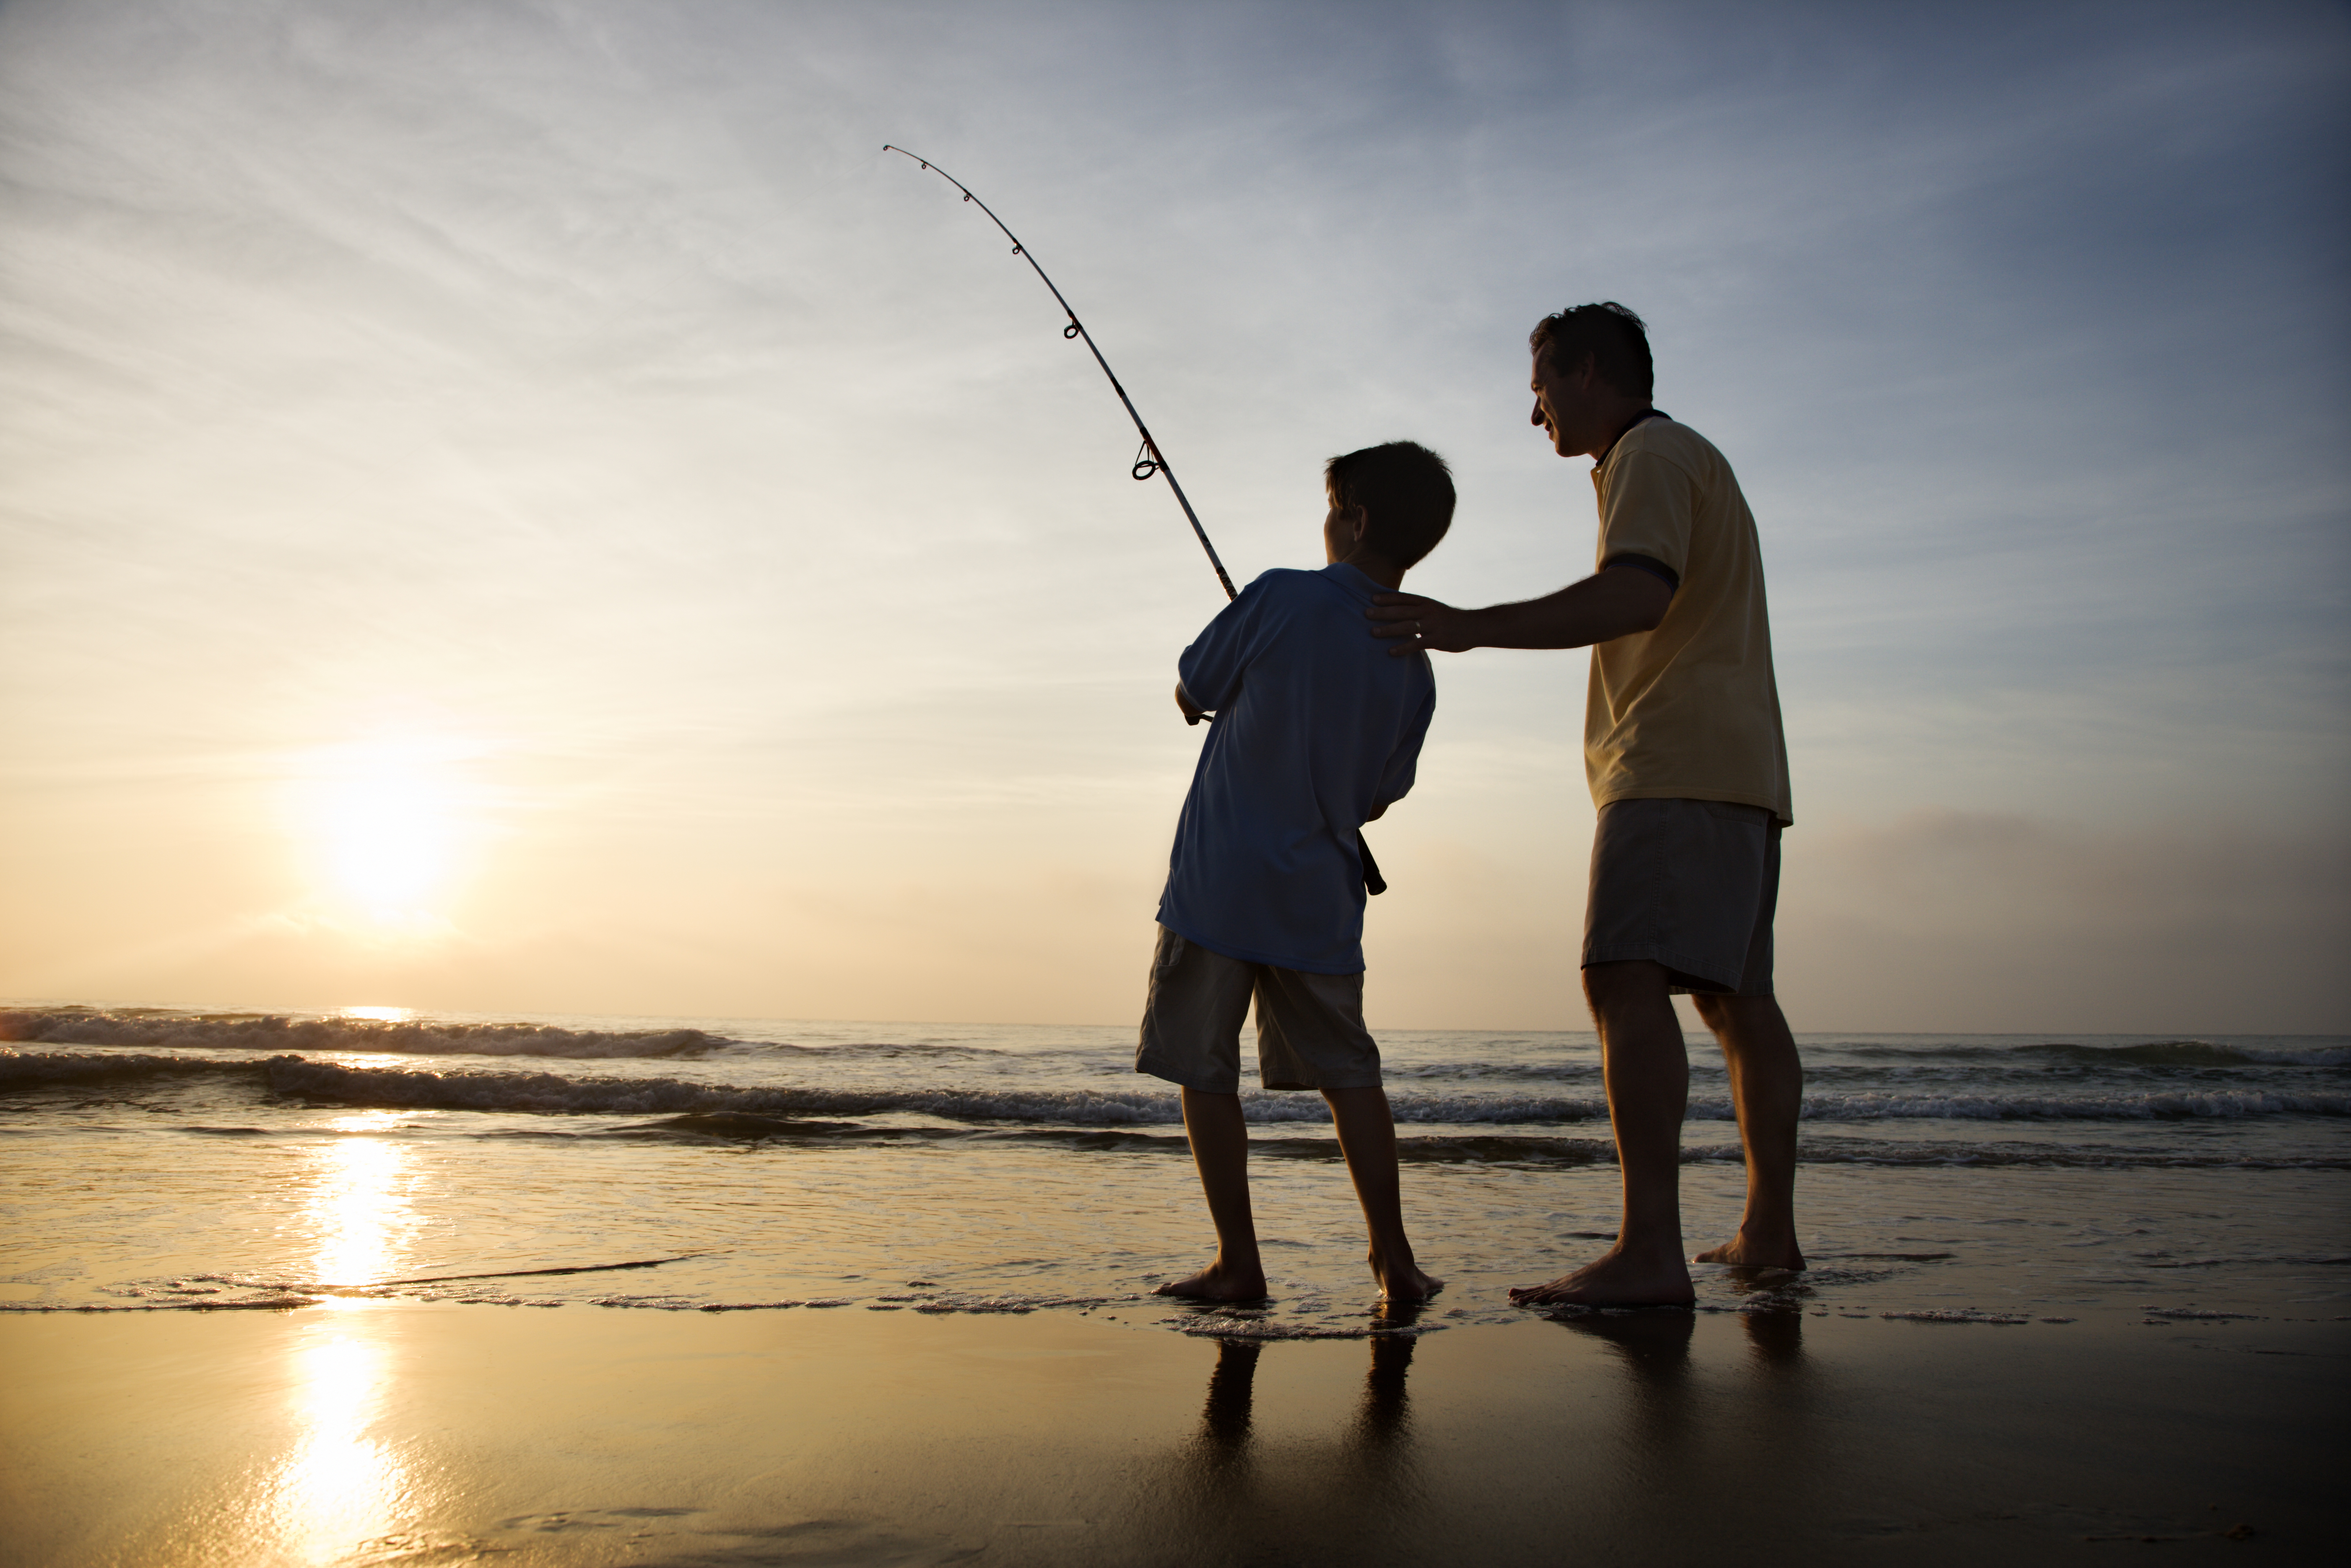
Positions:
{"x": 340, "y": 1481}
{"x": 1653, "y": 1344}
{"x": 1227, "y": 1491}
{"x": 1776, "y": 1339}
{"x": 1661, "y": 1428}
{"x": 338, "y": 1484}
{"x": 1225, "y": 1422}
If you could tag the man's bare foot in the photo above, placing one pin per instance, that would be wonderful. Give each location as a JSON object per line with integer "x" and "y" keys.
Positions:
{"x": 1409, "y": 1283}
{"x": 1615, "y": 1278}
{"x": 1218, "y": 1283}
{"x": 1742, "y": 1252}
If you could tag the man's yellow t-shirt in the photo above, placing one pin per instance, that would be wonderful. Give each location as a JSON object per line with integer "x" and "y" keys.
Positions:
{"x": 1688, "y": 709}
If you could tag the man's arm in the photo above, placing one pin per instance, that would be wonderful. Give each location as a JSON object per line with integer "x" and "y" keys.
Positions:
{"x": 1193, "y": 712}
{"x": 1615, "y": 602}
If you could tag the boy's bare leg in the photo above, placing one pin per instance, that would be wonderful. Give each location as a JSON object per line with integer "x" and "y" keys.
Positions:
{"x": 1647, "y": 1073}
{"x": 1767, "y": 1086}
{"x": 1367, "y": 1137}
{"x": 1219, "y": 1135}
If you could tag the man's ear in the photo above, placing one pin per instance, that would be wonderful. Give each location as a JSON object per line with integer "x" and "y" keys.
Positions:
{"x": 1359, "y": 523}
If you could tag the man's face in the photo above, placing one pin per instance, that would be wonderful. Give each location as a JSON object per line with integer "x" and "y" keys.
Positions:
{"x": 1562, "y": 405}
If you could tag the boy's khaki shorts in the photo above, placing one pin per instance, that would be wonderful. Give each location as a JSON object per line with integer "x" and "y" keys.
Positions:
{"x": 1310, "y": 1027}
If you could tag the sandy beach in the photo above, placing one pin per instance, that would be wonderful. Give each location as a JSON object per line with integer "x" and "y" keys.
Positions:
{"x": 385, "y": 1433}
{"x": 657, "y": 1292}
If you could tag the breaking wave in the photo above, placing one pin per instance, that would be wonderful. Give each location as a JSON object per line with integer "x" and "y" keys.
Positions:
{"x": 296, "y": 1077}
{"x": 2152, "y": 1053}
{"x": 278, "y": 1032}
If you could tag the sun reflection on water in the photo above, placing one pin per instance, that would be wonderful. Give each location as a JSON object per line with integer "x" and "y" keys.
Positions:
{"x": 340, "y": 1482}
{"x": 359, "y": 1208}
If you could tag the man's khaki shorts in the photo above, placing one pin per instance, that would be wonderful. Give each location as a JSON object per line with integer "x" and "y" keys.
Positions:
{"x": 1690, "y": 885}
{"x": 1310, "y": 1027}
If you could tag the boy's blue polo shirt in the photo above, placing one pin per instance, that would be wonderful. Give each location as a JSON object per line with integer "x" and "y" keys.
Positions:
{"x": 1315, "y": 725}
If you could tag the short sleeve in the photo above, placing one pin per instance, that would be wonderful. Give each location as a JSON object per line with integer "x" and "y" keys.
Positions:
{"x": 1211, "y": 668}
{"x": 1647, "y": 510}
{"x": 1404, "y": 764}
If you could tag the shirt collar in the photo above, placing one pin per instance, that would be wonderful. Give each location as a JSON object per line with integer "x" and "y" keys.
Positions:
{"x": 1643, "y": 417}
{"x": 1352, "y": 579}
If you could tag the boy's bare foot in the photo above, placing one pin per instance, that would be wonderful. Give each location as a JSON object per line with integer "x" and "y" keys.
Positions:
{"x": 1218, "y": 1283}
{"x": 1409, "y": 1283}
{"x": 1743, "y": 1252}
{"x": 1615, "y": 1278}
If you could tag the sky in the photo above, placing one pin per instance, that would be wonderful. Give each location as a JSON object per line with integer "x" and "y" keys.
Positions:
{"x": 525, "y": 508}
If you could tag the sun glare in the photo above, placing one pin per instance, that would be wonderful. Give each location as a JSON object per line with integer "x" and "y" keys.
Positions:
{"x": 387, "y": 824}
{"x": 391, "y": 839}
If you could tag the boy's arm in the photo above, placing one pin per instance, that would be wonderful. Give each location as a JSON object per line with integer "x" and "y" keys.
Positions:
{"x": 1208, "y": 675}
{"x": 1404, "y": 767}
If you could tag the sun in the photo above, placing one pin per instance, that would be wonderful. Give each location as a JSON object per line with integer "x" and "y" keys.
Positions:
{"x": 387, "y": 824}
{"x": 390, "y": 833}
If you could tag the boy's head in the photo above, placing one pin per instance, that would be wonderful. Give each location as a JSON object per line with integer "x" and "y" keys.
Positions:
{"x": 1393, "y": 501}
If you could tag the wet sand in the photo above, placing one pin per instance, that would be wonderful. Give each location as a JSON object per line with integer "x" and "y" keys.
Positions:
{"x": 417, "y": 1433}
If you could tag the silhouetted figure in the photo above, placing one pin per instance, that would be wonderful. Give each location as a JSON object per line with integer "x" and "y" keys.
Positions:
{"x": 1683, "y": 750}
{"x": 1316, "y": 733}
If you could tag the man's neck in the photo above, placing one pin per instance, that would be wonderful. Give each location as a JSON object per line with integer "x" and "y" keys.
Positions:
{"x": 1620, "y": 421}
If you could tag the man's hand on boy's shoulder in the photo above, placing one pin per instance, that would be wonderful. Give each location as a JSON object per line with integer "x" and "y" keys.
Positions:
{"x": 1191, "y": 712}
{"x": 1417, "y": 622}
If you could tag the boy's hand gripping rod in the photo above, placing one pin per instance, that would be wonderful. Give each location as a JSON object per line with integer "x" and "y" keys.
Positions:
{"x": 1148, "y": 459}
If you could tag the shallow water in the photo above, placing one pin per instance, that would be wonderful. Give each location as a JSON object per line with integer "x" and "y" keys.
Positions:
{"x": 175, "y": 1159}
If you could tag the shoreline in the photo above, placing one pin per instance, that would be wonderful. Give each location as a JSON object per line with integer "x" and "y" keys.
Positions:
{"x": 406, "y": 1432}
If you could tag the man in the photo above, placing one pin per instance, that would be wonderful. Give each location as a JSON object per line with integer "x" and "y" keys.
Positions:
{"x": 1686, "y": 764}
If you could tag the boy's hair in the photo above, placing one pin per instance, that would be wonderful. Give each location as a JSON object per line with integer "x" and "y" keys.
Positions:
{"x": 1611, "y": 336}
{"x": 1407, "y": 494}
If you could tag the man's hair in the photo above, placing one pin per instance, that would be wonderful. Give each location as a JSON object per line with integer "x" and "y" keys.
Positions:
{"x": 1407, "y": 494}
{"x": 1611, "y": 336}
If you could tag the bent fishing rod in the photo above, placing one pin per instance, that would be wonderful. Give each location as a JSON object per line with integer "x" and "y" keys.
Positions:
{"x": 1148, "y": 458}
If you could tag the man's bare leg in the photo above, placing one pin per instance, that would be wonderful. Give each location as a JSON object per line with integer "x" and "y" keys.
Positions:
{"x": 1767, "y": 1086}
{"x": 1647, "y": 1073}
{"x": 1367, "y": 1137}
{"x": 1219, "y": 1135}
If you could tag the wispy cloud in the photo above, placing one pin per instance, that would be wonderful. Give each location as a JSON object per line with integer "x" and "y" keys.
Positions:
{"x": 581, "y": 376}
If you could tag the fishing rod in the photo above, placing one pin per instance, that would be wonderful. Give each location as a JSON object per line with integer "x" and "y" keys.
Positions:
{"x": 1148, "y": 459}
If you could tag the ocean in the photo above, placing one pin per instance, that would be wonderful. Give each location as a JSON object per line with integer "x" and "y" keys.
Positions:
{"x": 168, "y": 1160}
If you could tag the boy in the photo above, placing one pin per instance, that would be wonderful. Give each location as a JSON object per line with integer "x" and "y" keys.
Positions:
{"x": 1317, "y": 732}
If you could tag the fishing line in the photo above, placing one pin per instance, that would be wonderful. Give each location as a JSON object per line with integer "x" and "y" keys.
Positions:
{"x": 1148, "y": 459}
